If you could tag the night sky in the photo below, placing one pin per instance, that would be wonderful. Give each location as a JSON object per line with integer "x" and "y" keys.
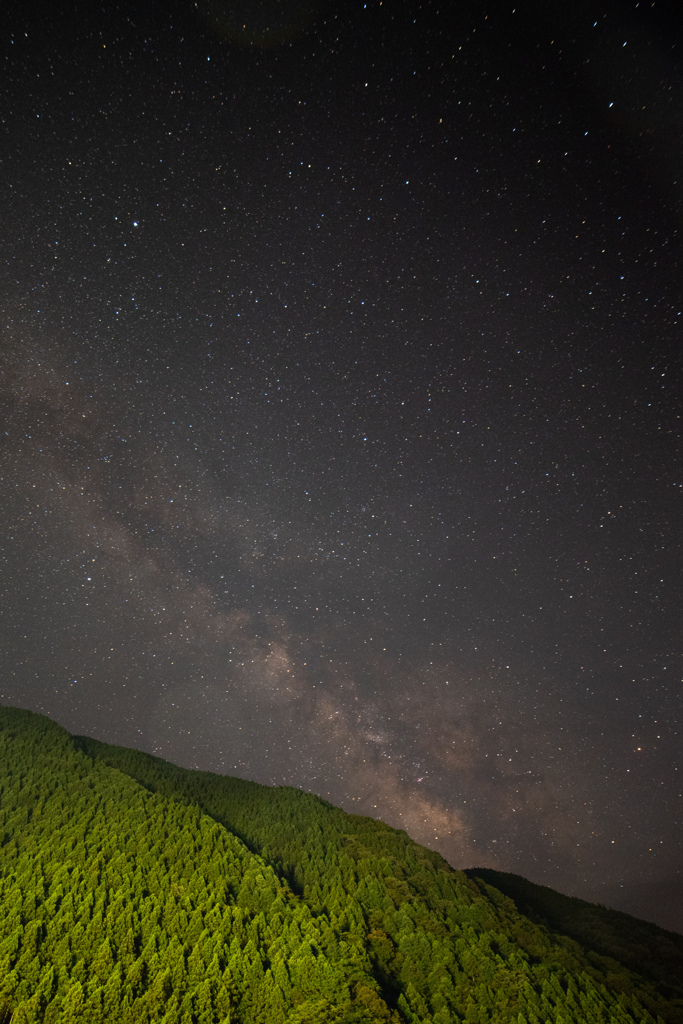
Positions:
{"x": 341, "y": 394}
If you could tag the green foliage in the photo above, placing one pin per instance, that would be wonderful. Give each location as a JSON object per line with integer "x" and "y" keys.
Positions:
{"x": 637, "y": 945}
{"x": 136, "y": 891}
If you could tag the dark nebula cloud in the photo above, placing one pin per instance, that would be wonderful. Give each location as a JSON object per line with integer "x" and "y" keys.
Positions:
{"x": 341, "y": 392}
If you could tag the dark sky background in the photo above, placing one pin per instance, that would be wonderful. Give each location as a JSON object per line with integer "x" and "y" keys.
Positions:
{"x": 341, "y": 407}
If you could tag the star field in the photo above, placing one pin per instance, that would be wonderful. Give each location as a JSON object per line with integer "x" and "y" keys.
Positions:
{"x": 341, "y": 387}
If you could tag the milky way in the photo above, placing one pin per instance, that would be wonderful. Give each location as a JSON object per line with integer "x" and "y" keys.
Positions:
{"x": 341, "y": 402}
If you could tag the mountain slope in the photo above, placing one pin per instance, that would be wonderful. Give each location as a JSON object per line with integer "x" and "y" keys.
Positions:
{"x": 638, "y": 945}
{"x": 136, "y": 891}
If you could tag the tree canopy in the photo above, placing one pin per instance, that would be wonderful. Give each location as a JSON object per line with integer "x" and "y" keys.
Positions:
{"x": 139, "y": 892}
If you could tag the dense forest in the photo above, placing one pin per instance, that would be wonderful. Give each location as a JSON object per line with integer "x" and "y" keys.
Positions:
{"x": 136, "y": 892}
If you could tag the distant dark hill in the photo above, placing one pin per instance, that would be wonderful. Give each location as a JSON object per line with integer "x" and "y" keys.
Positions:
{"x": 638, "y": 945}
{"x": 659, "y": 900}
{"x": 136, "y": 892}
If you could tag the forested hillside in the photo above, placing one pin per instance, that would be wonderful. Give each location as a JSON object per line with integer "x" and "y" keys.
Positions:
{"x": 652, "y": 951}
{"x": 137, "y": 892}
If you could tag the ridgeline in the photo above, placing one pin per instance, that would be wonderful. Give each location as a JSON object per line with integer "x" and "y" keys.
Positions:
{"x": 136, "y": 892}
